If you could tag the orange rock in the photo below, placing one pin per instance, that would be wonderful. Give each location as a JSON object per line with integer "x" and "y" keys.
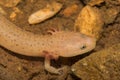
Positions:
{"x": 9, "y": 3}
{"x": 95, "y": 2}
{"x": 89, "y": 22}
{"x": 70, "y": 10}
{"x": 15, "y": 12}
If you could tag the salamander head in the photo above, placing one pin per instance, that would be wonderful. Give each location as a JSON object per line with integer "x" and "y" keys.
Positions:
{"x": 77, "y": 44}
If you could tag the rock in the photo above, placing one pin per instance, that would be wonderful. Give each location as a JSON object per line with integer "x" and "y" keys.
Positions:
{"x": 112, "y": 3}
{"x": 2, "y": 11}
{"x": 49, "y": 11}
{"x": 7, "y": 75}
{"x": 101, "y": 65}
{"x": 15, "y": 13}
{"x": 110, "y": 14}
{"x": 89, "y": 22}
{"x": 95, "y": 2}
{"x": 70, "y": 10}
{"x": 9, "y": 3}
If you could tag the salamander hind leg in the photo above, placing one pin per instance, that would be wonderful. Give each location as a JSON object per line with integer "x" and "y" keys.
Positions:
{"x": 50, "y": 68}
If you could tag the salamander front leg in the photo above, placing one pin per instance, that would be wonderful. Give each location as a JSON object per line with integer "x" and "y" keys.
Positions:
{"x": 50, "y": 68}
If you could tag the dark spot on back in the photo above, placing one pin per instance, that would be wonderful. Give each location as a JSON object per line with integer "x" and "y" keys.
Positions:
{"x": 51, "y": 41}
{"x": 9, "y": 37}
{"x": 14, "y": 35}
{"x": 43, "y": 44}
{"x": 16, "y": 45}
{"x": 31, "y": 45}
{"x": 14, "y": 40}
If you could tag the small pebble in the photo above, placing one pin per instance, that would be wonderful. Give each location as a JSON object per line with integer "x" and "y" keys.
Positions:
{"x": 45, "y": 13}
{"x": 70, "y": 10}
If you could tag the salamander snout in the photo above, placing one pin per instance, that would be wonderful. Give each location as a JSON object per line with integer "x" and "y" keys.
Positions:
{"x": 91, "y": 43}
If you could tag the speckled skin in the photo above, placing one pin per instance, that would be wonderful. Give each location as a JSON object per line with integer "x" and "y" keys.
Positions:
{"x": 65, "y": 44}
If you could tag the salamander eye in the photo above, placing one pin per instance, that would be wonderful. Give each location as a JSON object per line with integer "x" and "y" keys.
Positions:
{"x": 83, "y": 47}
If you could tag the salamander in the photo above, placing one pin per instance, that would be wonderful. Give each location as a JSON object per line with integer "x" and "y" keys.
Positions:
{"x": 59, "y": 43}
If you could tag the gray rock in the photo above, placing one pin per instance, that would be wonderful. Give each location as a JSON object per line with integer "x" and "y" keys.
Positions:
{"x": 102, "y": 65}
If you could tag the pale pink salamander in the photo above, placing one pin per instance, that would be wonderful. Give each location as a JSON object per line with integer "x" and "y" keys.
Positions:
{"x": 61, "y": 43}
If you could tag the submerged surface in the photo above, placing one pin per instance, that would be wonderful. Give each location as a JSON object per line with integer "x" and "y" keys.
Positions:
{"x": 28, "y": 68}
